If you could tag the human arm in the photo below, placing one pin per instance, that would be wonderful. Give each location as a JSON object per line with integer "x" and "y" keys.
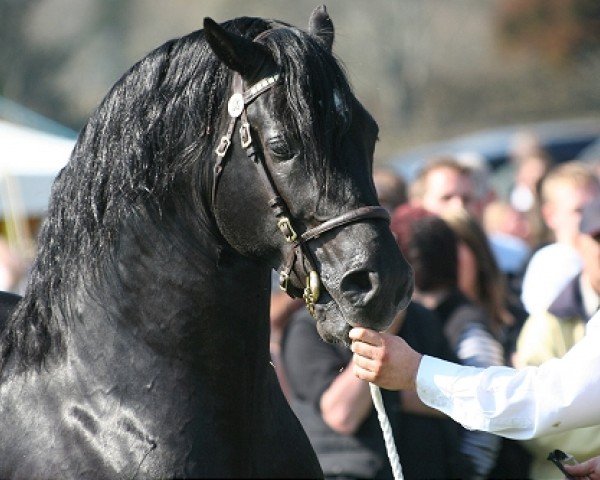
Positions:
{"x": 559, "y": 395}
{"x": 317, "y": 373}
{"x": 346, "y": 403}
{"x": 282, "y": 309}
{"x": 589, "y": 469}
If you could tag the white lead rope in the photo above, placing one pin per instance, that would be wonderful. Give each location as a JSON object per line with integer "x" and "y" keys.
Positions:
{"x": 386, "y": 428}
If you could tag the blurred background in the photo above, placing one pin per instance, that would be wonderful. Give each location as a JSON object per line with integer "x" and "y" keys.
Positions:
{"x": 437, "y": 75}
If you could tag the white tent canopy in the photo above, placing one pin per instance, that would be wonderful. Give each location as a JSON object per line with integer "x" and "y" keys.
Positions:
{"x": 29, "y": 162}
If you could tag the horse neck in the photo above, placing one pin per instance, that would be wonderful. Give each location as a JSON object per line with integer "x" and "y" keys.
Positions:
{"x": 198, "y": 311}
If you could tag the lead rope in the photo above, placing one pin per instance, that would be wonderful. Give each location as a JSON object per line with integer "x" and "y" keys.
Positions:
{"x": 386, "y": 428}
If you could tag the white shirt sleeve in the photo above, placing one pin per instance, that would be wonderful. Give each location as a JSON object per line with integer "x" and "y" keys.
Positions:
{"x": 561, "y": 394}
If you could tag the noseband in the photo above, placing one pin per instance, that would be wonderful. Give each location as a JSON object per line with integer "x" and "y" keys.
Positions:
{"x": 299, "y": 251}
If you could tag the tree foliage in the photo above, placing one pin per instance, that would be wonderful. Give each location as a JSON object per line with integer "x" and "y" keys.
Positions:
{"x": 561, "y": 31}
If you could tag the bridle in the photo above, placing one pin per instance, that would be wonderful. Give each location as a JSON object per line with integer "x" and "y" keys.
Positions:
{"x": 299, "y": 251}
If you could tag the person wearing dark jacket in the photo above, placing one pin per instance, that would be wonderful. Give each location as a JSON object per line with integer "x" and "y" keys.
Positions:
{"x": 337, "y": 414}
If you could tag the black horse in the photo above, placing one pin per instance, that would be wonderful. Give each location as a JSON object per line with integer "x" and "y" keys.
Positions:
{"x": 140, "y": 347}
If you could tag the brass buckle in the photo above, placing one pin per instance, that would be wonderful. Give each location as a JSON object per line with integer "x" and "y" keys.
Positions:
{"x": 221, "y": 150}
{"x": 312, "y": 291}
{"x": 285, "y": 227}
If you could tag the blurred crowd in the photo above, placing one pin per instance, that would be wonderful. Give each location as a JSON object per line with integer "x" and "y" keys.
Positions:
{"x": 498, "y": 281}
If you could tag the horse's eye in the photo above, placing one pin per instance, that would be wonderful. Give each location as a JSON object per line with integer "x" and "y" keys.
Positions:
{"x": 280, "y": 148}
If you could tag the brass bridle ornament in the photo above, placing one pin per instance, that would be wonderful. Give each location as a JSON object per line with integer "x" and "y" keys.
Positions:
{"x": 299, "y": 251}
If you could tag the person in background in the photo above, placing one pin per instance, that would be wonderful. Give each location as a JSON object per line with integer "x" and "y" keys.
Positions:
{"x": 481, "y": 280}
{"x": 483, "y": 191}
{"x": 531, "y": 163}
{"x": 422, "y": 430}
{"x": 530, "y": 169}
{"x": 432, "y": 250}
{"x": 444, "y": 184}
{"x": 282, "y": 308}
{"x": 508, "y": 233}
{"x": 565, "y": 190}
{"x": 391, "y": 188}
{"x": 333, "y": 406}
{"x": 552, "y": 333}
{"x": 483, "y": 283}
{"x": 559, "y": 395}
{"x": 524, "y": 143}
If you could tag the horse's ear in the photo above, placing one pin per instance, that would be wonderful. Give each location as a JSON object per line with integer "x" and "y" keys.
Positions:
{"x": 238, "y": 53}
{"x": 321, "y": 26}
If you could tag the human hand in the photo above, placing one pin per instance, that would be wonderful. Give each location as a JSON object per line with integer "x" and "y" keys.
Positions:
{"x": 589, "y": 469}
{"x": 383, "y": 359}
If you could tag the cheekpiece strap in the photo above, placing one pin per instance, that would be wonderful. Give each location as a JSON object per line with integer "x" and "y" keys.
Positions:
{"x": 236, "y": 107}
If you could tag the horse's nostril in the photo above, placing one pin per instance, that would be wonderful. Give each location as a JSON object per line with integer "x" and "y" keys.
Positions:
{"x": 356, "y": 281}
{"x": 360, "y": 285}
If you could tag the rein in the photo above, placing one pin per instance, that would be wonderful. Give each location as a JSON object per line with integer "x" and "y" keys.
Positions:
{"x": 299, "y": 252}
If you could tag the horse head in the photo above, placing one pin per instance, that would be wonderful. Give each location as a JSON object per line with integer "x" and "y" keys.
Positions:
{"x": 295, "y": 187}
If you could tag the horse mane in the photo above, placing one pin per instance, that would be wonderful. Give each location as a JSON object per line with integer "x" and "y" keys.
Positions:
{"x": 154, "y": 131}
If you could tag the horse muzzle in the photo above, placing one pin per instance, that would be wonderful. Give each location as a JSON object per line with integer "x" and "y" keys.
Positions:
{"x": 363, "y": 280}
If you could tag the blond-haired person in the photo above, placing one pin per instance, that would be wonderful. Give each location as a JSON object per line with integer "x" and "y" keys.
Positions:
{"x": 564, "y": 191}
{"x": 551, "y": 334}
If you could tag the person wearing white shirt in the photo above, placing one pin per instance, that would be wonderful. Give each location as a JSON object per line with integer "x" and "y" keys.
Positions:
{"x": 558, "y": 395}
